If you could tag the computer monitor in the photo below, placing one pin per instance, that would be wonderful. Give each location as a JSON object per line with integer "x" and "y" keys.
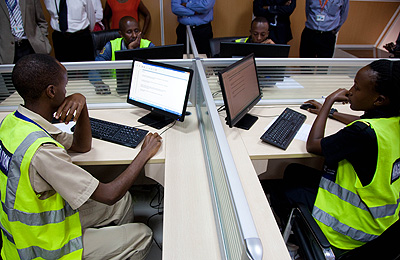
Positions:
{"x": 240, "y": 91}
{"x": 174, "y": 51}
{"x": 241, "y": 49}
{"x": 162, "y": 89}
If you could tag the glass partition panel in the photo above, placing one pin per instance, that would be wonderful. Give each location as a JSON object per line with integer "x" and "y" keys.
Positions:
{"x": 286, "y": 81}
{"x": 102, "y": 86}
{"x": 233, "y": 218}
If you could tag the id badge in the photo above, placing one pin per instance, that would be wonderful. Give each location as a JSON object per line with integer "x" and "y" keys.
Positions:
{"x": 18, "y": 28}
{"x": 320, "y": 17}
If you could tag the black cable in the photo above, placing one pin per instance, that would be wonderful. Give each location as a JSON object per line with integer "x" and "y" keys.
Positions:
{"x": 160, "y": 198}
{"x": 168, "y": 128}
{"x": 148, "y": 220}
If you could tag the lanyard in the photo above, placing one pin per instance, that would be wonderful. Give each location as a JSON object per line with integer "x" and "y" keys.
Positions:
{"x": 322, "y": 6}
{"x": 27, "y": 119}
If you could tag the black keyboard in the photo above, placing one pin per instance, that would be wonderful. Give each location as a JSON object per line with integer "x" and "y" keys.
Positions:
{"x": 116, "y": 133}
{"x": 283, "y": 130}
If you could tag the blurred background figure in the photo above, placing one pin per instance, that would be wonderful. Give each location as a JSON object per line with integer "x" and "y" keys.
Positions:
{"x": 116, "y": 9}
{"x": 394, "y": 48}
{"x": 72, "y": 22}
{"x": 198, "y": 15}
{"x": 259, "y": 32}
{"x": 98, "y": 9}
{"x": 23, "y": 30}
{"x": 324, "y": 20}
{"x": 278, "y": 14}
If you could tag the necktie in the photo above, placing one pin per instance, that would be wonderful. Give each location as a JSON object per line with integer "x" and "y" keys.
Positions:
{"x": 17, "y": 27}
{"x": 63, "y": 16}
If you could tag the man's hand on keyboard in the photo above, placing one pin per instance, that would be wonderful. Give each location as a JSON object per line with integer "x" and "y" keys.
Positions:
{"x": 151, "y": 144}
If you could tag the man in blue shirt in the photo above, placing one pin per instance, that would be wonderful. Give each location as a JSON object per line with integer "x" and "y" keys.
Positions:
{"x": 198, "y": 15}
{"x": 324, "y": 19}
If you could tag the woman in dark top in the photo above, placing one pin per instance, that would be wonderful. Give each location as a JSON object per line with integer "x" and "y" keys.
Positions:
{"x": 376, "y": 91}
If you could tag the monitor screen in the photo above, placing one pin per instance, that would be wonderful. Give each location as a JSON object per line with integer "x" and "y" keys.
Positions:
{"x": 160, "y": 88}
{"x": 174, "y": 51}
{"x": 241, "y": 92}
{"x": 158, "y": 52}
{"x": 241, "y": 49}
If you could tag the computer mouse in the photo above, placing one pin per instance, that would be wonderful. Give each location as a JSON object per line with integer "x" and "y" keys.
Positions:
{"x": 306, "y": 106}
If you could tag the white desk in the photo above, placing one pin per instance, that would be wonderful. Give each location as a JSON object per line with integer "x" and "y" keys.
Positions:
{"x": 189, "y": 226}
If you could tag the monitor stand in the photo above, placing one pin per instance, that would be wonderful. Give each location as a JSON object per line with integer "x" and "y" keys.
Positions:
{"x": 246, "y": 122}
{"x": 155, "y": 120}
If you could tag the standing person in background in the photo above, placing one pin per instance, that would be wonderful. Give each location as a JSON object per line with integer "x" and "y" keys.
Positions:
{"x": 23, "y": 30}
{"x": 72, "y": 22}
{"x": 98, "y": 9}
{"x": 323, "y": 21}
{"x": 278, "y": 14}
{"x": 198, "y": 15}
{"x": 116, "y": 9}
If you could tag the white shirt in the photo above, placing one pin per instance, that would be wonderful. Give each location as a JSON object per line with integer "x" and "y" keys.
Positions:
{"x": 98, "y": 8}
{"x": 81, "y": 14}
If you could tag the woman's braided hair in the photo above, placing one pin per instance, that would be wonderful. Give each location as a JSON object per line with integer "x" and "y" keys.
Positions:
{"x": 388, "y": 81}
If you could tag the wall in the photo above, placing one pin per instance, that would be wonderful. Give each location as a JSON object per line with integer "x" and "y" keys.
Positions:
{"x": 365, "y": 23}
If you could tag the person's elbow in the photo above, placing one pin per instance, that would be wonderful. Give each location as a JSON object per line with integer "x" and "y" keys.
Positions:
{"x": 106, "y": 194}
{"x": 314, "y": 146}
{"x": 81, "y": 148}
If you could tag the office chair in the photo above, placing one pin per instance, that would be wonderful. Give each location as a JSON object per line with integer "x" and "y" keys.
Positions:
{"x": 100, "y": 38}
{"x": 314, "y": 245}
{"x": 215, "y": 43}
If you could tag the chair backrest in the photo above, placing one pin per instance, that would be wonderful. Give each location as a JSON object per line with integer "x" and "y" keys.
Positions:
{"x": 215, "y": 43}
{"x": 100, "y": 38}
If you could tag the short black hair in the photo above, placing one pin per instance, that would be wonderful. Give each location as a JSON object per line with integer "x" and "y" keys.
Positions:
{"x": 33, "y": 73}
{"x": 124, "y": 20}
{"x": 259, "y": 19}
{"x": 387, "y": 81}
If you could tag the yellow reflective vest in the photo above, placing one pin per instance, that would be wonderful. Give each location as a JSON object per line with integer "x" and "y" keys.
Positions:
{"x": 242, "y": 39}
{"x": 351, "y": 214}
{"x": 31, "y": 227}
{"x": 116, "y": 45}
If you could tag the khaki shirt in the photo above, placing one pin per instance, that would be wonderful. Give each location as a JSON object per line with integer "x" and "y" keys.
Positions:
{"x": 52, "y": 170}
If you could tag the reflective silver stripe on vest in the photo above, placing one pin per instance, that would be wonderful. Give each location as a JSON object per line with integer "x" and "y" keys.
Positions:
{"x": 34, "y": 219}
{"x": 354, "y": 199}
{"x": 31, "y": 219}
{"x": 14, "y": 171}
{"x": 336, "y": 225}
{"x": 242, "y": 39}
{"x": 34, "y": 251}
{"x": 37, "y": 219}
{"x": 7, "y": 234}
